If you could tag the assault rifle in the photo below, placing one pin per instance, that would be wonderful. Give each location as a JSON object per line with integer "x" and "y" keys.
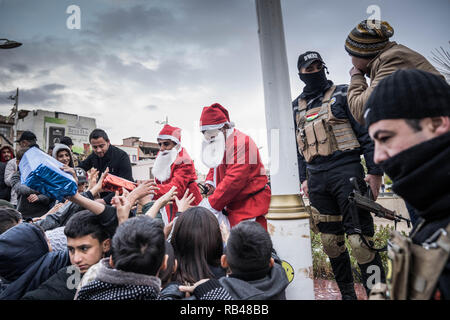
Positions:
{"x": 367, "y": 203}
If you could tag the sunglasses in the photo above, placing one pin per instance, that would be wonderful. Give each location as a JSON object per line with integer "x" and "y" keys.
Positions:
{"x": 165, "y": 144}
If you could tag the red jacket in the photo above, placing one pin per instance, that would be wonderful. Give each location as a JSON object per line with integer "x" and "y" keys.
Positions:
{"x": 240, "y": 180}
{"x": 182, "y": 176}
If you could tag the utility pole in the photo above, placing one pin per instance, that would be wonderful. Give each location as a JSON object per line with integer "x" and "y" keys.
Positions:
{"x": 15, "y": 111}
{"x": 288, "y": 219}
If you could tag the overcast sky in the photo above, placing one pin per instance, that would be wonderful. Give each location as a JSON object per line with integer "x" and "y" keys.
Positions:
{"x": 134, "y": 62}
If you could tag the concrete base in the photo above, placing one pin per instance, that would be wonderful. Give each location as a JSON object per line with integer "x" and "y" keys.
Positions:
{"x": 291, "y": 239}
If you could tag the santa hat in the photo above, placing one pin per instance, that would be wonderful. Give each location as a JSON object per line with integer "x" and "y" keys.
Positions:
{"x": 170, "y": 133}
{"x": 214, "y": 117}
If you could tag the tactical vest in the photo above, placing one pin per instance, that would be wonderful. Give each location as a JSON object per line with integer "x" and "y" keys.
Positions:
{"x": 414, "y": 269}
{"x": 319, "y": 132}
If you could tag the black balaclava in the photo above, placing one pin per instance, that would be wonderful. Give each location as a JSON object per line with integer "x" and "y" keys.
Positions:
{"x": 315, "y": 82}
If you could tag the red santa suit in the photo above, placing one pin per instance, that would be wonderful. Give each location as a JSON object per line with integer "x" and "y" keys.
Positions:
{"x": 182, "y": 175}
{"x": 240, "y": 180}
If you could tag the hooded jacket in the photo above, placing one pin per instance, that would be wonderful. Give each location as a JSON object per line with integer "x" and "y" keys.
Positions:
{"x": 26, "y": 208}
{"x": 271, "y": 287}
{"x": 25, "y": 260}
{"x": 58, "y": 147}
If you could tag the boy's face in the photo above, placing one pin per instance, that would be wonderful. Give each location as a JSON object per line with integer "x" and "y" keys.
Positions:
{"x": 86, "y": 251}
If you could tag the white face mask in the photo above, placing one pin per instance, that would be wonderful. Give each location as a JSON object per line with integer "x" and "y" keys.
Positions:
{"x": 161, "y": 168}
{"x": 213, "y": 148}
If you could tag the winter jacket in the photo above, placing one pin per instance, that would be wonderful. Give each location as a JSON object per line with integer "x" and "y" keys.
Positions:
{"x": 26, "y": 208}
{"x": 5, "y": 190}
{"x": 55, "y": 288}
{"x": 113, "y": 284}
{"x": 60, "y": 217}
{"x": 272, "y": 286}
{"x": 392, "y": 58}
{"x": 25, "y": 260}
{"x": 11, "y": 168}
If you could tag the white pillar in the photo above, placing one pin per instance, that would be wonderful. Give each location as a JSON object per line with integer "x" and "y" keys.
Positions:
{"x": 288, "y": 221}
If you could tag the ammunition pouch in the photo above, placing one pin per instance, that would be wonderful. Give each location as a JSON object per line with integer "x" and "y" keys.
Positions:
{"x": 416, "y": 268}
{"x": 316, "y": 217}
{"x": 320, "y": 133}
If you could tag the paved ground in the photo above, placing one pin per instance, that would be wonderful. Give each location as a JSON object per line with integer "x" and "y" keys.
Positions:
{"x": 328, "y": 290}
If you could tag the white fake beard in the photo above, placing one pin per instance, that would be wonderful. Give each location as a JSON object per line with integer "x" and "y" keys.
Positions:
{"x": 163, "y": 162}
{"x": 213, "y": 151}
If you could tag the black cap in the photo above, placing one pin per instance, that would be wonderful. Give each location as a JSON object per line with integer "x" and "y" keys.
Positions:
{"x": 66, "y": 140}
{"x": 408, "y": 94}
{"x": 27, "y": 135}
{"x": 305, "y": 59}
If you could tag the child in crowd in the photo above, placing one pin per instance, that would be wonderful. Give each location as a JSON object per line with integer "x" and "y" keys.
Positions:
{"x": 254, "y": 270}
{"x": 87, "y": 242}
{"x": 131, "y": 273}
{"x": 198, "y": 246}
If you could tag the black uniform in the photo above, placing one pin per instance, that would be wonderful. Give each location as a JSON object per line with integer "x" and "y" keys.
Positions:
{"x": 329, "y": 183}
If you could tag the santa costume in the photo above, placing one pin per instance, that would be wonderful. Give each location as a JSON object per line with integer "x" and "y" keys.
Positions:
{"x": 236, "y": 170}
{"x": 174, "y": 168}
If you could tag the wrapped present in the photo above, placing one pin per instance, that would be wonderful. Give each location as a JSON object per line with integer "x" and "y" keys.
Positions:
{"x": 114, "y": 183}
{"x": 43, "y": 173}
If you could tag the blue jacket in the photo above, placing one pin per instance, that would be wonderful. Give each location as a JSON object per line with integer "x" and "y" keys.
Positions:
{"x": 25, "y": 260}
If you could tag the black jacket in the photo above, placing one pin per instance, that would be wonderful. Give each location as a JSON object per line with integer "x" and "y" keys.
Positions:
{"x": 60, "y": 217}
{"x": 25, "y": 260}
{"x": 5, "y": 191}
{"x": 116, "y": 160}
{"x": 55, "y": 288}
{"x": 26, "y": 208}
{"x": 340, "y": 110}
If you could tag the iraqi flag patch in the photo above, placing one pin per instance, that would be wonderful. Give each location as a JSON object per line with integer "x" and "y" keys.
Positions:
{"x": 312, "y": 116}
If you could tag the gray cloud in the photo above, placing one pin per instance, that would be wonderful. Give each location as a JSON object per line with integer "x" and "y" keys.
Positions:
{"x": 47, "y": 94}
{"x": 151, "y": 107}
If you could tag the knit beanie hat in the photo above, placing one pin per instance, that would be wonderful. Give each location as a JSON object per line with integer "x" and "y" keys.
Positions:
{"x": 408, "y": 94}
{"x": 368, "y": 38}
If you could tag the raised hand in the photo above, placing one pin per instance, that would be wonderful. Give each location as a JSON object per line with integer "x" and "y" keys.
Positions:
{"x": 184, "y": 203}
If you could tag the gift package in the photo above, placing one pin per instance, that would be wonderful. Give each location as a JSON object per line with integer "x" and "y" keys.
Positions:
{"x": 114, "y": 183}
{"x": 43, "y": 173}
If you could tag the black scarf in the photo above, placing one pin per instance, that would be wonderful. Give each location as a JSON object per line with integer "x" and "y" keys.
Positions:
{"x": 315, "y": 82}
{"x": 421, "y": 176}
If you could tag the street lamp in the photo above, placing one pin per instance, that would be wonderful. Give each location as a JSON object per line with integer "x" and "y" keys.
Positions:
{"x": 163, "y": 122}
{"x": 9, "y": 44}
